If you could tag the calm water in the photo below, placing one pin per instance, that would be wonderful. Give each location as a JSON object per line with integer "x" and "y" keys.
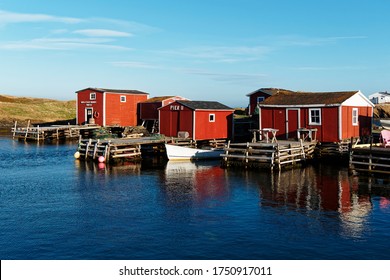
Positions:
{"x": 53, "y": 207}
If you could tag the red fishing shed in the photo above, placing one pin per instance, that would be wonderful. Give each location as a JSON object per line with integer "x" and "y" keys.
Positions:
{"x": 260, "y": 95}
{"x": 109, "y": 107}
{"x": 149, "y": 108}
{"x": 203, "y": 120}
{"x": 337, "y": 116}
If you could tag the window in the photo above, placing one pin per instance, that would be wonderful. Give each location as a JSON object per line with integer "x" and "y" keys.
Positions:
{"x": 211, "y": 117}
{"x": 123, "y": 98}
{"x": 92, "y": 96}
{"x": 314, "y": 116}
{"x": 355, "y": 116}
{"x": 260, "y": 99}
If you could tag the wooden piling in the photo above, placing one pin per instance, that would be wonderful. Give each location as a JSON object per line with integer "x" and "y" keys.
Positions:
{"x": 370, "y": 158}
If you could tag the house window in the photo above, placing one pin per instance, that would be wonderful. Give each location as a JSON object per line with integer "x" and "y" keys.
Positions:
{"x": 92, "y": 96}
{"x": 211, "y": 117}
{"x": 355, "y": 116}
{"x": 123, "y": 98}
{"x": 314, "y": 116}
{"x": 260, "y": 99}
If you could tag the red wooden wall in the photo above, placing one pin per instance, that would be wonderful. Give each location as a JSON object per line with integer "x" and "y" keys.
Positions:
{"x": 328, "y": 131}
{"x": 176, "y": 117}
{"x": 219, "y": 129}
{"x": 123, "y": 113}
{"x": 83, "y": 102}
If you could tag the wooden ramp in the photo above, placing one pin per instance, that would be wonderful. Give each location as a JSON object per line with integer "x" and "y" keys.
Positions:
{"x": 268, "y": 155}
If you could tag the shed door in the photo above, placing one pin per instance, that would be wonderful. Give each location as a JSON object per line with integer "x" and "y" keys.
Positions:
{"x": 292, "y": 123}
{"x": 88, "y": 114}
{"x": 175, "y": 123}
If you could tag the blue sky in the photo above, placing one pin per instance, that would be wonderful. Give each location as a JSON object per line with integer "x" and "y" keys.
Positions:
{"x": 200, "y": 49}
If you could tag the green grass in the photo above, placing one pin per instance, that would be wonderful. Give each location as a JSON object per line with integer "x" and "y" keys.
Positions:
{"x": 22, "y": 109}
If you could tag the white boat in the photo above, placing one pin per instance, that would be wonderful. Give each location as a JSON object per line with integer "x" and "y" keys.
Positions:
{"x": 175, "y": 152}
{"x": 385, "y": 123}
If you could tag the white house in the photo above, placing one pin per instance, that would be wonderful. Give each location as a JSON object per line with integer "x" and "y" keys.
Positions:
{"x": 380, "y": 97}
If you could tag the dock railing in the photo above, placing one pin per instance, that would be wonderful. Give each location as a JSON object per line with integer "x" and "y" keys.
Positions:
{"x": 269, "y": 155}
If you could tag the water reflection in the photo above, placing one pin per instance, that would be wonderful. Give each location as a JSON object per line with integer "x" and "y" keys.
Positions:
{"x": 125, "y": 168}
{"x": 320, "y": 189}
{"x": 313, "y": 190}
{"x": 309, "y": 190}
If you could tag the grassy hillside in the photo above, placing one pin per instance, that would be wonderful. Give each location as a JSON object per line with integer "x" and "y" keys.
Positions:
{"x": 382, "y": 111}
{"x": 38, "y": 110}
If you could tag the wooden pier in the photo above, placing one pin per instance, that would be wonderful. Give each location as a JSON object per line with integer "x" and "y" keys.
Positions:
{"x": 269, "y": 155}
{"x": 42, "y": 133}
{"x": 370, "y": 159}
{"x": 109, "y": 150}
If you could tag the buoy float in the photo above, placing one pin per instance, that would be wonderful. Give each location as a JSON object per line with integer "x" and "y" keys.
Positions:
{"x": 76, "y": 155}
{"x": 101, "y": 159}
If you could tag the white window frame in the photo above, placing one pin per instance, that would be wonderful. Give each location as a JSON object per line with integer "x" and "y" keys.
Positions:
{"x": 92, "y": 96}
{"x": 123, "y": 98}
{"x": 355, "y": 116}
{"x": 211, "y": 117}
{"x": 311, "y": 111}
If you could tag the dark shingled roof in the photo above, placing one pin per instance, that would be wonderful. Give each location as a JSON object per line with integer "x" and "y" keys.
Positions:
{"x": 307, "y": 98}
{"x": 203, "y": 105}
{"x": 116, "y": 90}
{"x": 157, "y": 99}
{"x": 269, "y": 91}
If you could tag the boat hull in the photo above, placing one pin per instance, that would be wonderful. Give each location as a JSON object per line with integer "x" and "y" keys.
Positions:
{"x": 385, "y": 123}
{"x": 175, "y": 152}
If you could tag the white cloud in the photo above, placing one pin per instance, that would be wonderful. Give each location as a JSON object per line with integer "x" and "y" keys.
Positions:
{"x": 134, "y": 64}
{"x": 227, "y": 77}
{"x": 10, "y": 17}
{"x": 61, "y": 44}
{"x": 292, "y": 40}
{"x": 223, "y": 54}
{"x": 102, "y": 33}
{"x": 324, "y": 68}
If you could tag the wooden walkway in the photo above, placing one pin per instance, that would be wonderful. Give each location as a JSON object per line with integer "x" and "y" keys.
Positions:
{"x": 368, "y": 158}
{"x": 42, "y": 133}
{"x": 270, "y": 155}
{"x": 108, "y": 150}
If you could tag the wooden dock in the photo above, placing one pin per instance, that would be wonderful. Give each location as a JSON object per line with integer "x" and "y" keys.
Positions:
{"x": 268, "y": 155}
{"x": 109, "y": 150}
{"x": 370, "y": 159}
{"x": 43, "y": 133}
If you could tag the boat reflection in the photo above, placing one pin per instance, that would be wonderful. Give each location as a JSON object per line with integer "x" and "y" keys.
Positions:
{"x": 199, "y": 181}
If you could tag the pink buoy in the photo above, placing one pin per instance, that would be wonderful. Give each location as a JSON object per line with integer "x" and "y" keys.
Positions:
{"x": 101, "y": 159}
